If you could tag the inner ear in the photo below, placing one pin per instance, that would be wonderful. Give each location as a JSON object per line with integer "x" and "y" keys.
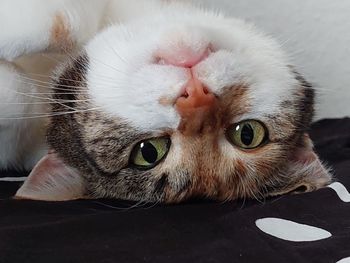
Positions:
{"x": 304, "y": 171}
{"x": 52, "y": 180}
{"x": 300, "y": 189}
{"x": 315, "y": 174}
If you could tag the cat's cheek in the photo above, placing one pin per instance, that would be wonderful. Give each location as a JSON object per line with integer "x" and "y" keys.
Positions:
{"x": 52, "y": 180}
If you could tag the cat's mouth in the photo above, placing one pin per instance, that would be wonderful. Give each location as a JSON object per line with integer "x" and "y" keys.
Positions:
{"x": 182, "y": 55}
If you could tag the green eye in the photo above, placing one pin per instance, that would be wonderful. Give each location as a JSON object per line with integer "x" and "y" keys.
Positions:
{"x": 248, "y": 134}
{"x": 149, "y": 153}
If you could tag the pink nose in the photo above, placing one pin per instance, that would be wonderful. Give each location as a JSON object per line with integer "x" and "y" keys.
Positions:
{"x": 184, "y": 57}
{"x": 195, "y": 95}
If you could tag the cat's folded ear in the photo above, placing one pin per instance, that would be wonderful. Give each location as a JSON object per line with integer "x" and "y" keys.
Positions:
{"x": 52, "y": 180}
{"x": 304, "y": 171}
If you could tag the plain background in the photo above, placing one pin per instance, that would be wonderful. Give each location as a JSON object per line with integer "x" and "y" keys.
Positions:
{"x": 316, "y": 33}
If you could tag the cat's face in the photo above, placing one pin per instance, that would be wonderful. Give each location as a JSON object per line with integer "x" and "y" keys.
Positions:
{"x": 175, "y": 106}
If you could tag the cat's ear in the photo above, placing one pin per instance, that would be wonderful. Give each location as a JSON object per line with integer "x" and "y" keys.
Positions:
{"x": 52, "y": 180}
{"x": 304, "y": 170}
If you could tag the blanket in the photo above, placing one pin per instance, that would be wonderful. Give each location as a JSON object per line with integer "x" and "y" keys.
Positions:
{"x": 310, "y": 227}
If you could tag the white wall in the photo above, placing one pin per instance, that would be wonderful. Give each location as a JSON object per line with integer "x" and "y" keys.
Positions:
{"x": 317, "y": 35}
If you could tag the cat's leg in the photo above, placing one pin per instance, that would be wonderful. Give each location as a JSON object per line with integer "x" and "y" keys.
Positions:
{"x": 22, "y": 119}
{"x": 29, "y": 26}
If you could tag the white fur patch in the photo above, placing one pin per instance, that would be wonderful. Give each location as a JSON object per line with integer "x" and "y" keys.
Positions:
{"x": 29, "y": 23}
{"x": 21, "y": 136}
{"x": 124, "y": 80}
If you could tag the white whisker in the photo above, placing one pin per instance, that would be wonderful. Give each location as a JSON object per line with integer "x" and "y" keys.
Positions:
{"x": 49, "y": 115}
{"x": 44, "y": 102}
{"x": 41, "y": 98}
{"x": 45, "y": 84}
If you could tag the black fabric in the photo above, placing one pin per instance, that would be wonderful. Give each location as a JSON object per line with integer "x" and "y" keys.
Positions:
{"x": 197, "y": 231}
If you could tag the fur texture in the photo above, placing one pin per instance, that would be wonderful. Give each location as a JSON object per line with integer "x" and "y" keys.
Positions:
{"x": 118, "y": 91}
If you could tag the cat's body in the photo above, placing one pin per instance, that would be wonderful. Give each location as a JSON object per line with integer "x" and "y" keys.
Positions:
{"x": 161, "y": 101}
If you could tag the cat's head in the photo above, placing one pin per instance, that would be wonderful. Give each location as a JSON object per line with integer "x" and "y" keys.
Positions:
{"x": 179, "y": 104}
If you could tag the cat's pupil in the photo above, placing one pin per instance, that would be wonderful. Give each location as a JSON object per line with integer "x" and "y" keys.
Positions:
{"x": 149, "y": 152}
{"x": 247, "y": 134}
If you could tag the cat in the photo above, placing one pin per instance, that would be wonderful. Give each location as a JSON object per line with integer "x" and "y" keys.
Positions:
{"x": 156, "y": 101}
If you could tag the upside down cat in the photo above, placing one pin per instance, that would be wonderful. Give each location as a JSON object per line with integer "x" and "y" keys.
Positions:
{"x": 155, "y": 101}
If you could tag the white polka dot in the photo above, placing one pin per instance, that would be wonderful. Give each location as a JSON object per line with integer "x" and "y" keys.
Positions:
{"x": 344, "y": 260}
{"x": 291, "y": 231}
{"x": 341, "y": 191}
